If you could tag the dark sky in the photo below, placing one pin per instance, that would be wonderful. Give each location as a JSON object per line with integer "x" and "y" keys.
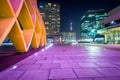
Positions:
{"x": 73, "y": 10}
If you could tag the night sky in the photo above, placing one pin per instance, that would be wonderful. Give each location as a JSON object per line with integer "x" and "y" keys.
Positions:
{"x": 73, "y": 10}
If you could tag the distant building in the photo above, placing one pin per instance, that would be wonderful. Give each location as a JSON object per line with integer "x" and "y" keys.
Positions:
{"x": 90, "y": 24}
{"x": 68, "y": 36}
{"x": 112, "y": 26}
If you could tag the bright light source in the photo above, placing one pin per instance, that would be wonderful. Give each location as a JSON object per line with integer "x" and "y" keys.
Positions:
{"x": 87, "y": 21}
{"x": 35, "y": 54}
{"x": 112, "y": 22}
{"x": 74, "y": 43}
{"x": 46, "y": 47}
{"x": 41, "y": 6}
{"x": 93, "y": 30}
{"x": 49, "y": 4}
{"x": 55, "y": 5}
{"x": 72, "y": 40}
{"x": 93, "y": 50}
{"x": 99, "y": 39}
{"x": 91, "y": 15}
{"x": 14, "y": 67}
{"x": 51, "y": 45}
{"x": 43, "y": 50}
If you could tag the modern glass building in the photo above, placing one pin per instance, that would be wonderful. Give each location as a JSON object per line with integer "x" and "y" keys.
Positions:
{"x": 90, "y": 24}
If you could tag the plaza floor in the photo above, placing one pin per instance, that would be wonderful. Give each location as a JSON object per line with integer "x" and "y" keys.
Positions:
{"x": 57, "y": 62}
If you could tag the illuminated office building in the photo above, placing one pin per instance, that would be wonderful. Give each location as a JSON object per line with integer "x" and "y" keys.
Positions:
{"x": 90, "y": 23}
{"x": 51, "y": 16}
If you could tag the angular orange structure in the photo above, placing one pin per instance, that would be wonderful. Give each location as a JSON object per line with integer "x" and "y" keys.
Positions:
{"x": 20, "y": 20}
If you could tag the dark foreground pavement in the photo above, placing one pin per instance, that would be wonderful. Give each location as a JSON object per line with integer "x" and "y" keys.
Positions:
{"x": 67, "y": 63}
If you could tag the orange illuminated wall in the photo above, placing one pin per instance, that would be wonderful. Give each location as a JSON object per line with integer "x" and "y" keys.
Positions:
{"x": 20, "y": 20}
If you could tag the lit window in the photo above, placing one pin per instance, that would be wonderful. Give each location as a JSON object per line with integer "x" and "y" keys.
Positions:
{"x": 47, "y": 28}
{"x": 42, "y": 13}
{"x": 87, "y": 21}
{"x": 54, "y": 19}
{"x": 41, "y": 6}
{"x": 112, "y": 22}
{"x": 49, "y": 15}
{"x": 46, "y": 22}
{"x": 105, "y": 13}
{"x": 54, "y": 5}
{"x": 91, "y": 15}
{"x": 49, "y": 4}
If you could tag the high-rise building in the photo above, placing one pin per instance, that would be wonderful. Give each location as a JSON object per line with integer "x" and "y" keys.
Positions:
{"x": 90, "y": 24}
{"x": 51, "y": 16}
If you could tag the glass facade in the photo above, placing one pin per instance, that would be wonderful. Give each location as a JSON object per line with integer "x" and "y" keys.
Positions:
{"x": 90, "y": 23}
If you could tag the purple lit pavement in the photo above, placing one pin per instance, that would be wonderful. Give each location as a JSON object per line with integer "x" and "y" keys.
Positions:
{"x": 67, "y": 63}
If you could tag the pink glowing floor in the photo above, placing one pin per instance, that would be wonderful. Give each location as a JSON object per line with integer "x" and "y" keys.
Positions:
{"x": 67, "y": 63}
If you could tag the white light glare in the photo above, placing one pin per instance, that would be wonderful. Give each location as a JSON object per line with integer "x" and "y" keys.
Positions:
{"x": 35, "y": 54}
{"x": 14, "y": 67}
{"x": 46, "y": 47}
{"x": 43, "y": 50}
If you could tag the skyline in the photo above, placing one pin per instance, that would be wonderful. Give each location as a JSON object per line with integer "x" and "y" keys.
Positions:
{"x": 74, "y": 10}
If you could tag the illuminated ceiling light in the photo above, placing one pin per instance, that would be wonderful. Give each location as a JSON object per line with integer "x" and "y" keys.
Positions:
{"x": 91, "y": 15}
{"x": 42, "y": 13}
{"x": 92, "y": 30}
{"x": 87, "y": 21}
{"x": 112, "y": 22}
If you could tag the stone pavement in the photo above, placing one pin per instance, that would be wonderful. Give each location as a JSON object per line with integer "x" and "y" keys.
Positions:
{"x": 67, "y": 63}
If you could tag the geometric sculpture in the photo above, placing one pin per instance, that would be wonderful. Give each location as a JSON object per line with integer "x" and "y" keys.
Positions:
{"x": 20, "y": 20}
